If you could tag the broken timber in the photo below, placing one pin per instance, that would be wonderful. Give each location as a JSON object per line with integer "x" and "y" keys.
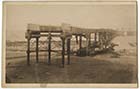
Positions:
{"x": 102, "y": 38}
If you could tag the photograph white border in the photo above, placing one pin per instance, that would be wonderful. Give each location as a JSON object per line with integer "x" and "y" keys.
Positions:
{"x": 52, "y": 85}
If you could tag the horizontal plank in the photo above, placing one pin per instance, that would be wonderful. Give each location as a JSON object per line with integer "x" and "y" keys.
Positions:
{"x": 46, "y": 50}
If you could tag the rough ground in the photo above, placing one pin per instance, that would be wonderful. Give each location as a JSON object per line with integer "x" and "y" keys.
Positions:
{"x": 98, "y": 69}
{"x": 105, "y": 68}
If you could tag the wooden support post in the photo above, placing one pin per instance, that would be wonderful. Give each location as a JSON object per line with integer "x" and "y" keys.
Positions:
{"x": 37, "y": 49}
{"x": 95, "y": 37}
{"x": 28, "y": 51}
{"x": 80, "y": 42}
{"x": 89, "y": 42}
{"x": 49, "y": 49}
{"x": 76, "y": 36}
{"x": 63, "y": 51}
{"x": 105, "y": 39}
{"x": 87, "y": 46}
{"x": 68, "y": 49}
{"x": 100, "y": 40}
{"x": 99, "y": 37}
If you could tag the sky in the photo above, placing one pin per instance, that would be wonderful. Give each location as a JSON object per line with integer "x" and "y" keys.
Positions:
{"x": 118, "y": 16}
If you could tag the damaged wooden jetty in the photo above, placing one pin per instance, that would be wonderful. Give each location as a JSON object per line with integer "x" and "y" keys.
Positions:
{"x": 102, "y": 39}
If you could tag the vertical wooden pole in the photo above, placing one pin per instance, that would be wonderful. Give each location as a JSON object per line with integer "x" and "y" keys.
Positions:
{"x": 87, "y": 46}
{"x": 76, "y": 36}
{"x": 99, "y": 36}
{"x": 89, "y": 42}
{"x": 68, "y": 50}
{"x": 49, "y": 49}
{"x": 28, "y": 51}
{"x": 63, "y": 51}
{"x": 80, "y": 42}
{"x": 100, "y": 40}
{"x": 37, "y": 49}
{"x": 95, "y": 37}
{"x": 105, "y": 39}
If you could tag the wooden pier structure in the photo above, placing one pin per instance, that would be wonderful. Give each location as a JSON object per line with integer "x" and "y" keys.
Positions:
{"x": 102, "y": 39}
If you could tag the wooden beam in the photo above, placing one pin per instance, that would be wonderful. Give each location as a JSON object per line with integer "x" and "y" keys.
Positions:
{"x": 45, "y": 50}
{"x": 53, "y": 31}
{"x": 44, "y": 35}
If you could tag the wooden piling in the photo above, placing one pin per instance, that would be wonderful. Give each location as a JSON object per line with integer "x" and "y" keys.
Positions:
{"x": 105, "y": 39}
{"x": 89, "y": 41}
{"x": 100, "y": 39}
{"x": 95, "y": 37}
{"x": 37, "y": 49}
{"x": 28, "y": 51}
{"x": 87, "y": 46}
{"x": 68, "y": 50}
{"x": 63, "y": 51}
{"x": 49, "y": 49}
{"x": 80, "y": 42}
{"x": 76, "y": 36}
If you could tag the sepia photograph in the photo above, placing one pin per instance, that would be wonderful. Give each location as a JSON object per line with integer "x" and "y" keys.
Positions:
{"x": 70, "y": 44}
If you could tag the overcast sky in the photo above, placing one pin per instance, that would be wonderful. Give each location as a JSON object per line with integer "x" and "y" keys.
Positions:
{"x": 88, "y": 16}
